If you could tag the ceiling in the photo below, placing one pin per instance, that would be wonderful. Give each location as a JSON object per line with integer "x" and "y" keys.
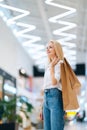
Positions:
{"x": 35, "y": 22}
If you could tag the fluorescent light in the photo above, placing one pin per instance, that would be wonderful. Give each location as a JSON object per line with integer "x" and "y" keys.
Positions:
{"x": 58, "y": 5}
{"x": 67, "y": 37}
{"x": 72, "y": 36}
{"x": 27, "y": 27}
{"x": 12, "y": 20}
{"x": 54, "y": 19}
{"x": 22, "y": 34}
{"x": 67, "y": 23}
{"x": 31, "y": 38}
{"x": 24, "y": 28}
{"x": 67, "y": 27}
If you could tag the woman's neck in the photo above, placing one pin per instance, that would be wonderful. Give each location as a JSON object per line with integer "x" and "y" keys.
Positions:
{"x": 52, "y": 58}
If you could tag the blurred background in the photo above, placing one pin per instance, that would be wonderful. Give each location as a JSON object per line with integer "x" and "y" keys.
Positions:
{"x": 26, "y": 26}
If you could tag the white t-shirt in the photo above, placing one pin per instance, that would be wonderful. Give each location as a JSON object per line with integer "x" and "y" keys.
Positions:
{"x": 47, "y": 77}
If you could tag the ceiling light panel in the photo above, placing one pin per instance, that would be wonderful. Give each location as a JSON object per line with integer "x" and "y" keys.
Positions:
{"x": 21, "y": 30}
{"x": 13, "y": 19}
{"x": 67, "y": 37}
{"x": 24, "y": 28}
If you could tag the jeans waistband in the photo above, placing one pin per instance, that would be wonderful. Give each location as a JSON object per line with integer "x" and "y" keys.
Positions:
{"x": 51, "y": 89}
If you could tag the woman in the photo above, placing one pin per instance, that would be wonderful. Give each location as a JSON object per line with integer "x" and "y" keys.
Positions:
{"x": 53, "y": 112}
{"x": 60, "y": 88}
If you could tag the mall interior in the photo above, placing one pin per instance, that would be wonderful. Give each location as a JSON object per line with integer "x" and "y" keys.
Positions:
{"x": 26, "y": 26}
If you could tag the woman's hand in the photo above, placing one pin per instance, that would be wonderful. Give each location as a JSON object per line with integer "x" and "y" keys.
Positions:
{"x": 52, "y": 70}
{"x": 41, "y": 113}
{"x": 54, "y": 62}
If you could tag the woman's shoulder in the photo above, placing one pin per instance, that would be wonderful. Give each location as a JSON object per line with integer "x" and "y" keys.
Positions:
{"x": 61, "y": 61}
{"x": 58, "y": 63}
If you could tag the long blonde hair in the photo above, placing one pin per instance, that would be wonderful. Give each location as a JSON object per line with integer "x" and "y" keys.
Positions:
{"x": 58, "y": 50}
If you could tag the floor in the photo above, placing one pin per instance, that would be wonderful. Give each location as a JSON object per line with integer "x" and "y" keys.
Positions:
{"x": 71, "y": 126}
{"x": 76, "y": 126}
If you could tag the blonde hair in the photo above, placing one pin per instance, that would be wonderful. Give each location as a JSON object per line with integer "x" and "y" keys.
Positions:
{"x": 58, "y": 50}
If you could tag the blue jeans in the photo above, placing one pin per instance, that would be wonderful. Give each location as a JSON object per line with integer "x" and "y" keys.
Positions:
{"x": 53, "y": 112}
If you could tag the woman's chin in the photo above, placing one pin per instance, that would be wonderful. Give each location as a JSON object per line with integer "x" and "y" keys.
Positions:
{"x": 49, "y": 55}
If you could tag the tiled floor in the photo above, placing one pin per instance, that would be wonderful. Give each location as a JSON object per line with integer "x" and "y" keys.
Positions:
{"x": 73, "y": 126}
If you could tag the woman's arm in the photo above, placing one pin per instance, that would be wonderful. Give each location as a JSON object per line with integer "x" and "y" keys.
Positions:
{"x": 52, "y": 73}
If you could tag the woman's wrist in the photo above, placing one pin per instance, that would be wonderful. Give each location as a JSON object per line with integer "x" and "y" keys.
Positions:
{"x": 52, "y": 73}
{"x": 51, "y": 69}
{"x": 51, "y": 66}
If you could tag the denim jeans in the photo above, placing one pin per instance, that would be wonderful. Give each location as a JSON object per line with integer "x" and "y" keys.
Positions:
{"x": 53, "y": 112}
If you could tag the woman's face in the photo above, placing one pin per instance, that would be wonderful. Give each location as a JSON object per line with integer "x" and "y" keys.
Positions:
{"x": 50, "y": 50}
